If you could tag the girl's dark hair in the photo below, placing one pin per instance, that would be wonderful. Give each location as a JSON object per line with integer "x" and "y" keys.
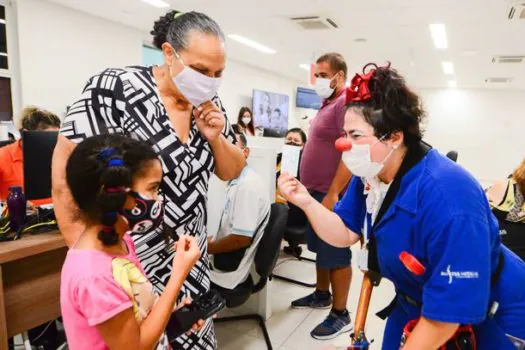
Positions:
{"x": 393, "y": 106}
{"x": 175, "y": 26}
{"x": 239, "y": 119}
{"x": 297, "y": 131}
{"x": 98, "y": 165}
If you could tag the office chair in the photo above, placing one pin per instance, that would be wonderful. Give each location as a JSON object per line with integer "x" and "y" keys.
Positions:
{"x": 295, "y": 234}
{"x": 453, "y": 156}
{"x": 265, "y": 259}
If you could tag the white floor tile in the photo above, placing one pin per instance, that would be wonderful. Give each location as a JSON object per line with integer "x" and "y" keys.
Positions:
{"x": 244, "y": 342}
{"x": 292, "y": 268}
{"x": 301, "y": 339}
{"x": 284, "y": 319}
{"x": 290, "y": 329}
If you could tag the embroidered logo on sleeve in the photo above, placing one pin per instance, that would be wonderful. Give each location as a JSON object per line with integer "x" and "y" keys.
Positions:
{"x": 458, "y": 274}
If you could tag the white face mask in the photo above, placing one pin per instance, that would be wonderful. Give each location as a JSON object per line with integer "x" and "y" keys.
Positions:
{"x": 197, "y": 88}
{"x": 359, "y": 161}
{"x": 246, "y": 120}
{"x": 322, "y": 87}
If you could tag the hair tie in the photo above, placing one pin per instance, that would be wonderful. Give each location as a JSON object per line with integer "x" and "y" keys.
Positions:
{"x": 107, "y": 229}
{"x": 106, "y": 153}
{"x": 359, "y": 90}
{"x": 114, "y": 190}
{"x": 177, "y": 15}
{"x": 111, "y": 215}
{"x": 115, "y": 162}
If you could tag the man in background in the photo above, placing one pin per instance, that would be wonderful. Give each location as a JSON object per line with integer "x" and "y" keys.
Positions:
{"x": 11, "y": 157}
{"x": 325, "y": 176}
{"x": 243, "y": 221}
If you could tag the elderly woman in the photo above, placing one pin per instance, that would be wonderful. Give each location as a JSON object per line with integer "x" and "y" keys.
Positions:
{"x": 174, "y": 108}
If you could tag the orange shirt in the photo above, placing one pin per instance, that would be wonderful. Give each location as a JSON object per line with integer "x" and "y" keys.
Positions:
{"x": 12, "y": 171}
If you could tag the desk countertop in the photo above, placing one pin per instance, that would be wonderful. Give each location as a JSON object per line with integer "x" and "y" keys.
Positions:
{"x": 30, "y": 245}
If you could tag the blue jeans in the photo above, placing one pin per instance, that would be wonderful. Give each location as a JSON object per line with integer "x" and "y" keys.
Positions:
{"x": 328, "y": 256}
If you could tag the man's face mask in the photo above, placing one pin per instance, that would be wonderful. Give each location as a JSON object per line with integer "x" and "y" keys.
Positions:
{"x": 196, "y": 87}
{"x": 147, "y": 214}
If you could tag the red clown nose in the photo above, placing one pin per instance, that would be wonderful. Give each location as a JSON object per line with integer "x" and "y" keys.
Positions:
{"x": 343, "y": 144}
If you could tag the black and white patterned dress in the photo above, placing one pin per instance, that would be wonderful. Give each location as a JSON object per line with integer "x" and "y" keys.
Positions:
{"x": 127, "y": 101}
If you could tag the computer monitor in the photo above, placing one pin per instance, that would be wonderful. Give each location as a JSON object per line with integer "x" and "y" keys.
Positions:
{"x": 37, "y": 147}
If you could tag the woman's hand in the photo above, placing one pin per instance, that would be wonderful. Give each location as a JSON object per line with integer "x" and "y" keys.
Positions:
{"x": 196, "y": 326}
{"x": 210, "y": 121}
{"x": 187, "y": 253}
{"x": 294, "y": 191}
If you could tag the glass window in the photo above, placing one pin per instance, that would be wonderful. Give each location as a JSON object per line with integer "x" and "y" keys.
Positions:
{"x": 6, "y": 111}
{"x": 3, "y": 40}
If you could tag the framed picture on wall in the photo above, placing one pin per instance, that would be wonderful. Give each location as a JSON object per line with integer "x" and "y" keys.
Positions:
{"x": 270, "y": 112}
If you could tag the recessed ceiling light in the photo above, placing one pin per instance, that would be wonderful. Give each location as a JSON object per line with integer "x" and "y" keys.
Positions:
{"x": 305, "y": 66}
{"x": 452, "y": 84}
{"x": 157, "y": 3}
{"x": 439, "y": 35}
{"x": 448, "y": 67}
{"x": 251, "y": 43}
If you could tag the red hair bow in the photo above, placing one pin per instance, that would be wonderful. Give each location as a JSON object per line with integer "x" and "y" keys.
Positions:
{"x": 359, "y": 90}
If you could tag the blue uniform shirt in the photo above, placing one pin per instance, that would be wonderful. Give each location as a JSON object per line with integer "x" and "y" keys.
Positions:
{"x": 441, "y": 216}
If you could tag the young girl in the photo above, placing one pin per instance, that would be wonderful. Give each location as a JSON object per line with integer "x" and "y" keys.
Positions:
{"x": 106, "y": 300}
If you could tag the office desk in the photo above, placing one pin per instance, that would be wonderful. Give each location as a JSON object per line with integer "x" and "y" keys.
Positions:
{"x": 29, "y": 282}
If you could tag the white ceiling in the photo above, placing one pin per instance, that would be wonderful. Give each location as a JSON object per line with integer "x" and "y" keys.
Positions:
{"x": 395, "y": 30}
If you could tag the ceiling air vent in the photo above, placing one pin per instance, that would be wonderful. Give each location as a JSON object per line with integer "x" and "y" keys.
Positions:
{"x": 498, "y": 80}
{"x": 314, "y": 22}
{"x": 508, "y": 59}
{"x": 516, "y": 11}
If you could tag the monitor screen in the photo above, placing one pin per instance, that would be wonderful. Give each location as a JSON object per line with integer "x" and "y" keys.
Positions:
{"x": 37, "y": 147}
{"x": 270, "y": 112}
{"x": 308, "y": 98}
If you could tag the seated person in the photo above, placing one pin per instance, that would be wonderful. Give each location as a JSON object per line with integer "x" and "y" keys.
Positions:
{"x": 294, "y": 137}
{"x": 242, "y": 225}
{"x": 506, "y": 199}
{"x": 11, "y": 162}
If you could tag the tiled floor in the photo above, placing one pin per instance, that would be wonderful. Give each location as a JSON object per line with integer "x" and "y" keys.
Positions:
{"x": 290, "y": 329}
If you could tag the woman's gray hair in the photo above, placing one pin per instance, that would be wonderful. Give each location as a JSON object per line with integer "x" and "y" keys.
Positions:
{"x": 174, "y": 28}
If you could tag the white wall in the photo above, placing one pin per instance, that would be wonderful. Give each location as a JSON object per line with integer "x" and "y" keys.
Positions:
{"x": 236, "y": 91}
{"x": 61, "y": 48}
{"x": 486, "y": 127}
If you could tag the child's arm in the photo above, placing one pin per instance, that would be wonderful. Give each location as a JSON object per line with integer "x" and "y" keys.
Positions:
{"x": 123, "y": 332}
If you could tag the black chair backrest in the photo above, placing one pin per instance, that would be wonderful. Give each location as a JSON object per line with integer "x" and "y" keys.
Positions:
{"x": 453, "y": 156}
{"x": 296, "y": 216}
{"x": 270, "y": 244}
{"x": 5, "y": 143}
{"x": 38, "y": 147}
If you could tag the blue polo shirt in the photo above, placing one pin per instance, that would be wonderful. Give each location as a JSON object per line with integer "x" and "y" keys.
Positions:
{"x": 442, "y": 217}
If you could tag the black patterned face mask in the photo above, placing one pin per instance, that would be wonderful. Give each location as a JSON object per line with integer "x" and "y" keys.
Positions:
{"x": 147, "y": 214}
